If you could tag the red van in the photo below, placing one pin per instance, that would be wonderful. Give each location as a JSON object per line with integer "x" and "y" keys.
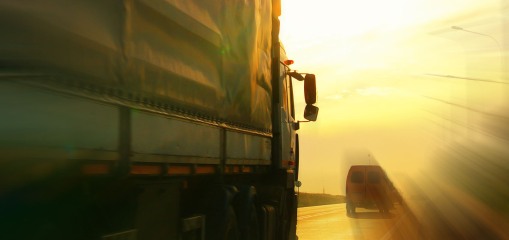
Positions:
{"x": 367, "y": 186}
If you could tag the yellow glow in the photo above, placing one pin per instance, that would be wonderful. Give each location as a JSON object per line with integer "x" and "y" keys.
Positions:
{"x": 393, "y": 77}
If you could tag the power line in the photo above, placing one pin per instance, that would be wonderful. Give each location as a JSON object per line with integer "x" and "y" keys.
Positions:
{"x": 466, "y": 78}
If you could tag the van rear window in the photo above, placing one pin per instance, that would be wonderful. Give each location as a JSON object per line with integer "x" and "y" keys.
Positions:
{"x": 357, "y": 177}
{"x": 373, "y": 177}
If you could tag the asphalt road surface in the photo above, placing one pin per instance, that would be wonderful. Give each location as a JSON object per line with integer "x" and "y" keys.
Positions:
{"x": 433, "y": 208}
{"x": 330, "y": 222}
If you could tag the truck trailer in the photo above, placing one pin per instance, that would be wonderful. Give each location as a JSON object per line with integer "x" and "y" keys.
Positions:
{"x": 147, "y": 119}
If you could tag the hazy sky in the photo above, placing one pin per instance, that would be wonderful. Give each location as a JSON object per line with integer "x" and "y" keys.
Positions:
{"x": 378, "y": 66}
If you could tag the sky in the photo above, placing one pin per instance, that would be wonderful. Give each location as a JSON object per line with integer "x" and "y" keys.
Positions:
{"x": 388, "y": 73}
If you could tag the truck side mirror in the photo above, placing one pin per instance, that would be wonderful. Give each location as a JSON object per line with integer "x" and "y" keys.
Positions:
{"x": 310, "y": 89}
{"x": 296, "y": 75}
{"x": 311, "y": 113}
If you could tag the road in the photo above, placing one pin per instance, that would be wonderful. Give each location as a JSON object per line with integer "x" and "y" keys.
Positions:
{"x": 330, "y": 222}
{"x": 434, "y": 208}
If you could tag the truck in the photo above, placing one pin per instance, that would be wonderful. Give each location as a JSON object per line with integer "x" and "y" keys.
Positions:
{"x": 148, "y": 119}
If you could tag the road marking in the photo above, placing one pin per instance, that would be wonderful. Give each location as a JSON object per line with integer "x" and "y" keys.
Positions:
{"x": 315, "y": 215}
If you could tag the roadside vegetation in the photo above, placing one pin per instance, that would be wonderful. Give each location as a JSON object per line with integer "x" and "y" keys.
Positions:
{"x": 315, "y": 199}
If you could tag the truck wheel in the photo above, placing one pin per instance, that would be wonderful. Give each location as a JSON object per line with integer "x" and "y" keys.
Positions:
{"x": 244, "y": 205}
{"x": 221, "y": 219}
{"x": 386, "y": 210}
{"x": 254, "y": 230}
{"x": 231, "y": 232}
{"x": 350, "y": 209}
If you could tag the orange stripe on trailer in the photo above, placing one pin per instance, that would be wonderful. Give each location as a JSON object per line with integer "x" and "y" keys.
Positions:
{"x": 146, "y": 170}
{"x": 95, "y": 169}
{"x": 206, "y": 169}
{"x": 179, "y": 170}
{"x": 247, "y": 169}
{"x": 238, "y": 169}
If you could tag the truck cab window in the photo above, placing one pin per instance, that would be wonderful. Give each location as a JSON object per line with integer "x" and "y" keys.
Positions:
{"x": 287, "y": 100}
{"x": 289, "y": 88}
{"x": 285, "y": 93}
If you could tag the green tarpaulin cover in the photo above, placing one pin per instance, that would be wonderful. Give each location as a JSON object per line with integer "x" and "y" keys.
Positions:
{"x": 210, "y": 58}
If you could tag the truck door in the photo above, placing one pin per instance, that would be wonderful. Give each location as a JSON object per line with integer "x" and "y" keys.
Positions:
{"x": 376, "y": 187}
{"x": 287, "y": 120}
{"x": 356, "y": 185}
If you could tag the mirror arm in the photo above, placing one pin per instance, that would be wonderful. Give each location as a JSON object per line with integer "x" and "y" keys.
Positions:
{"x": 296, "y": 125}
{"x": 296, "y": 75}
